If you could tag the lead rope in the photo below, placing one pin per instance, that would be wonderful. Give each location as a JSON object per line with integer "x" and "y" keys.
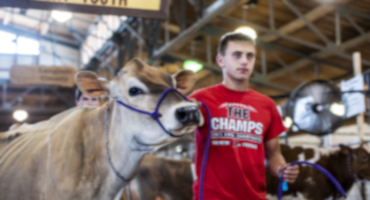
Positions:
{"x": 318, "y": 167}
{"x": 205, "y": 154}
{"x": 106, "y": 116}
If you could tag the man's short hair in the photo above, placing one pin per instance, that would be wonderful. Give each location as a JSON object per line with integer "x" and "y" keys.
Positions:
{"x": 233, "y": 36}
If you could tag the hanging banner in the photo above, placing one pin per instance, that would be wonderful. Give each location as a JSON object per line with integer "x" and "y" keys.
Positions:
{"x": 46, "y": 75}
{"x": 134, "y": 8}
{"x": 355, "y": 101}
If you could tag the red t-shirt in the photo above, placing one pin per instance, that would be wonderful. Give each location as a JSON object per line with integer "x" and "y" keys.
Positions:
{"x": 241, "y": 123}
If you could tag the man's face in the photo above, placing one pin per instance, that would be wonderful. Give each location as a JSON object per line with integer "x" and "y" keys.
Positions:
{"x": 88, "y": 101}
{"x": 238, "y": 60}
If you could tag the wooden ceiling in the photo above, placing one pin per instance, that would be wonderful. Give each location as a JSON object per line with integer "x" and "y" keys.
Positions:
{"x": 301, "y": 44}
{"x": 292, "y": 26}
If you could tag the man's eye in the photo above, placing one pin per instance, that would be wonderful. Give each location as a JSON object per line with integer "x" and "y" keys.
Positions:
{"x": 237, "y": 55}
{"x": 135, "y": 91}
{"x": 85, "y": 98}
{"x": 250, "y": 56}
{"x": 93, "y": 99}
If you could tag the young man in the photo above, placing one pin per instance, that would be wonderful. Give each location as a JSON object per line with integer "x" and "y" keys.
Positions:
{"x": 245, "y": 125}
{"x": 83, "y": 100}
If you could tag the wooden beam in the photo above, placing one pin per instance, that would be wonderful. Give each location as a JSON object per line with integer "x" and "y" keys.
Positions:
{"x": 322, "y": 55}
{"x": 171, "y": 27}
{"x": 298, "y": 23}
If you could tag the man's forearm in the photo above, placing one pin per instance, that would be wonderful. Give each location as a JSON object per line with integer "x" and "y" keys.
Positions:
{"x": 273, "y": 156}
{"x": 274, "y": 162}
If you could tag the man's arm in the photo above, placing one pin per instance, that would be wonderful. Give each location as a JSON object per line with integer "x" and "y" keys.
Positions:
{"x": 276, "y": 161}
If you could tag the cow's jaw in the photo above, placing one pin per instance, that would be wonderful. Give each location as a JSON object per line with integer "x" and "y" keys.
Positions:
{"x": 138, "y": 145}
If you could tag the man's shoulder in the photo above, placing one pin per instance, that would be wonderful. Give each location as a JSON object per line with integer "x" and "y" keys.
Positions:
{"x": 262, "y": 97}
{"x": 202, "y": 92}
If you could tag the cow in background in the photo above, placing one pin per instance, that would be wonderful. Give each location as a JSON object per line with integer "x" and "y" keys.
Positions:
{"x": 162, "y": 179}
{"x": 66, "y": 157}
{"x": 345, "y": 165}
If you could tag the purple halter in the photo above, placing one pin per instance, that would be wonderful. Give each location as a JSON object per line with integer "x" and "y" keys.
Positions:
{"x": 156, "y": 115}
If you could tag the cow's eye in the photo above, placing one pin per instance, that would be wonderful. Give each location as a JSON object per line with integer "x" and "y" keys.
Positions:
{"x": 135, "y": 91}
{"x": 365, "y": 158}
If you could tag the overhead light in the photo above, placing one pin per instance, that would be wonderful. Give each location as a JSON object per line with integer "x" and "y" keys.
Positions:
{"x": 288, "y": 122}
{"x": 246, "y": 30}
{"x": 337, "y": 109}
{"x": 20, "y": 115}
{"x": 193, "y": 65}
{"x": 250, "y": 4}
{"x": 61, "y": 16}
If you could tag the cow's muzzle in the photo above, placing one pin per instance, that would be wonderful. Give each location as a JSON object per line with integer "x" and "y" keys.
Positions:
{"x": 188, "y": 115}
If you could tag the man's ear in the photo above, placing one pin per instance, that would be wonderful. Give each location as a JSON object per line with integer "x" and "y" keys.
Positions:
{"x": 219, "y": 60}
{"x": 89, "y": 84}
{"x": 185, "y": 80}
{"x": 345, "y": 149}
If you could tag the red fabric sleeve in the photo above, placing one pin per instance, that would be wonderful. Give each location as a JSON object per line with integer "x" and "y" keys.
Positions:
{"x": 276, "y": 126}
{"x": 193, "y": 94}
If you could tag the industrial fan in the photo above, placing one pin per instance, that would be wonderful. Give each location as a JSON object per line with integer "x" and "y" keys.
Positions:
{"x": 316, "y": 107}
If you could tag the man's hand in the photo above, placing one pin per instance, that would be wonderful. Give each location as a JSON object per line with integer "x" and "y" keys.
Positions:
{"x": 195, "y": 101}
{"x": 289, "y": 173}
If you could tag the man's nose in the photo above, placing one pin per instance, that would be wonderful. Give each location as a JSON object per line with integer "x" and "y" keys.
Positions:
{"x": 244, "y": 60}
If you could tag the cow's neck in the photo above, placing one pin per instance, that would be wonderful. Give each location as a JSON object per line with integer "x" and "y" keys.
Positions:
{"x": 123, "y": 146}
{"x": 124, "y": 157}
{"x": 337, "y": 164}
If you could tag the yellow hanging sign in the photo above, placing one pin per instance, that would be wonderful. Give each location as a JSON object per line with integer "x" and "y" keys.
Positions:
{"x": 128, "y": 4}
{"x": 132, "y": 8}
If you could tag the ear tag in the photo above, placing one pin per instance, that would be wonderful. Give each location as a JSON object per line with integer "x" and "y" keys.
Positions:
{"x": 285, "y": 186}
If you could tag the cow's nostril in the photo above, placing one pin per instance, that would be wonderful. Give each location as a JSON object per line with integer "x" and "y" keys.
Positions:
{"x": 182, "y": 115}
{"x": 188, "y": 115}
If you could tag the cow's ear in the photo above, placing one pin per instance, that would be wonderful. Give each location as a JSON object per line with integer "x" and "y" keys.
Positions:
{"x": 345, "y": 149}
{"x": 90, "y": 84}
{"x": 185, "y": 80}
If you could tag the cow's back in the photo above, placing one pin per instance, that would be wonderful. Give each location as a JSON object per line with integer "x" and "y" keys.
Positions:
{"x": 26, "y": 161}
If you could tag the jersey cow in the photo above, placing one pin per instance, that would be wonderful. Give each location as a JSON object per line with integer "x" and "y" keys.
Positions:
{"x": 345, "y": 164}
{"x": 82, "y": 152}
{"x": 164, "y": 179}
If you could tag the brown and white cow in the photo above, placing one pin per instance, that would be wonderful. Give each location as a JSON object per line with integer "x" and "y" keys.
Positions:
{"x": 162, "y": 179}
{"x": 65, "y": 157}
{"x": 345, "y": 164}
{"x": 158, "y": 176}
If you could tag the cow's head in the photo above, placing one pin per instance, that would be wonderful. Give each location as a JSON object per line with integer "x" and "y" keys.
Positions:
{"x": 360, "y": 160}
{"x": 140, "y": 86}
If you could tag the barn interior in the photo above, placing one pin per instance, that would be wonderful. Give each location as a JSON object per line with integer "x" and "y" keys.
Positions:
{"x": 298, "y": 43}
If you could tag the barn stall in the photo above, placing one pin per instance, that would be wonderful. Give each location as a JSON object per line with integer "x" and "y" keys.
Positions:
{"x": 297, "y": 42}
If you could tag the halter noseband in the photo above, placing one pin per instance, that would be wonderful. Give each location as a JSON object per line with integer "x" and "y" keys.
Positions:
{"x": 156, "y": 115}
